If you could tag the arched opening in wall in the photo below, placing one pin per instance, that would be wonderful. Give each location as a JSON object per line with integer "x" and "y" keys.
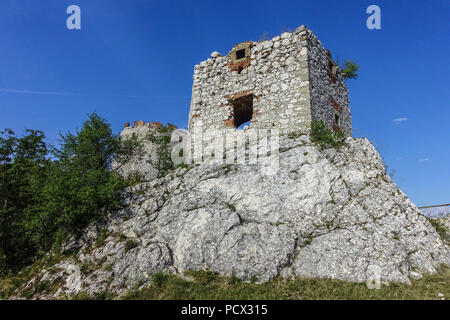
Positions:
{"x": 242, "y": 110}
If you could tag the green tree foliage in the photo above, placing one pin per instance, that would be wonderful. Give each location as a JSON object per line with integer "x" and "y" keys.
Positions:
{"x": 162, "y": 140}
{"x": 44, "y": 199}
{"x": 350, "y": 69}
{"x": 22, "y": 170}
{"x": 323, "y": 136}
{"x": 80, "y": 187}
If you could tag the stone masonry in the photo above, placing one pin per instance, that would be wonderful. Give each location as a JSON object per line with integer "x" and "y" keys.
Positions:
{"x": 280, "y": 83}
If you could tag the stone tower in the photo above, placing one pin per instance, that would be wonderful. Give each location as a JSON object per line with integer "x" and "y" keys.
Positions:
{"x": 280, "y": 83}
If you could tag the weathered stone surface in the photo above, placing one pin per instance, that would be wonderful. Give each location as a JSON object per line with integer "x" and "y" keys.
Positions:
{"x": 288, "y": 78}
{"x": 142, "y": 163}
{"x": 329, "y": 214}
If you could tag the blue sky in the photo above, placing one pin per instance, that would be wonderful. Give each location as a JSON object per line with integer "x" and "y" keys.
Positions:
{"x": 134, "y": 59}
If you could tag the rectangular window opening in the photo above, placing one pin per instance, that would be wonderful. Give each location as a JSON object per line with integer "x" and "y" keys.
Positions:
{"x": 337, "y": 120}
{"x": 240, "y": 54}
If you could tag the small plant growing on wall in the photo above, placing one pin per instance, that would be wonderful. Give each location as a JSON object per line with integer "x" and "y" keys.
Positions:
{"x": 323, "y": 136}
{"x": 350, "y": 69}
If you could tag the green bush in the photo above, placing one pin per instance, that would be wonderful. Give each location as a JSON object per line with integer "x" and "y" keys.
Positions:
{"x": 48, "y": 193}
{"x": 323, "y": 136}
{"x": 164, "y": 162}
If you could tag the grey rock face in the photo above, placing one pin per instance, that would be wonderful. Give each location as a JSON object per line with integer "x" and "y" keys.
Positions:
{"x": 142, "y": 163}
{"x": 329, "y": 214}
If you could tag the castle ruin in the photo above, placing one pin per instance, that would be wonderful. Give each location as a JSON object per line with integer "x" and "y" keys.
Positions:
{"x": 281, "y": 83}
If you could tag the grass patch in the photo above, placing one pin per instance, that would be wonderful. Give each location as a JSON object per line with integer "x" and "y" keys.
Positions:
{"x": 130, "y": 244}
{"x": 208, "y": 285}
{"x": 100, "y": 241}
{"x": 231, "y": 207}
{"x": 102, "y": 295}
{"x": 295, "y": 134}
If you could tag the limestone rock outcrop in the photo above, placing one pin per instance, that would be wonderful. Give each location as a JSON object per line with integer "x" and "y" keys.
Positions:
{"x": 326, "y": 213}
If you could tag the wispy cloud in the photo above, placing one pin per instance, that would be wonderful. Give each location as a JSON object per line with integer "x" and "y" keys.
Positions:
{"x": 424, "y": 160}
{"x": 38, "y": 92}
{"x": 138, "y": 96}
{"x": 59, "y": 93}
{"x": 398, "y": 120}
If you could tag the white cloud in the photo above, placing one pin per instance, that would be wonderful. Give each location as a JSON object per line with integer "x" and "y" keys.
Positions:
{"x": 58, "y": 93}
{"x": 398, "y": 120}
{"x": 38, "y": 92}
{"x": 424, "y": 160}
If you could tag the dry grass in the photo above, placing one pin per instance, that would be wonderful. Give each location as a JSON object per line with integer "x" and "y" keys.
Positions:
{"x": 200, "y": 285}
{"x": 207, "y": 285}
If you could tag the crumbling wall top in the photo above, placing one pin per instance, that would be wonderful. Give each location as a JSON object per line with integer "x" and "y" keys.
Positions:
{"x": 151, "y": 125}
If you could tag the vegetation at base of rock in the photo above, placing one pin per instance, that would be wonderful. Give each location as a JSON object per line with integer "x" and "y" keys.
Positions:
{"x": 350, "y": 69}
{"x": 16, "y": 284}
{"x": 208, "y": 285}
{"x": 324, "y": 137}
{"x": 200, "y": 285}
{"x": 443, "y": 232}
{"x": 48, "y": 192}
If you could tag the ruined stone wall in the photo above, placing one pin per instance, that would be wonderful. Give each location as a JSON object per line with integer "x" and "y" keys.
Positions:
{"x": 288, "y": 81}
{"x": 275, "y": 74}
{"x": 329, "y": 94}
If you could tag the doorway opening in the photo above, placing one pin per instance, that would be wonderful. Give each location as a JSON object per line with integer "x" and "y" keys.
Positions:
{"x": 242, "y": 110}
